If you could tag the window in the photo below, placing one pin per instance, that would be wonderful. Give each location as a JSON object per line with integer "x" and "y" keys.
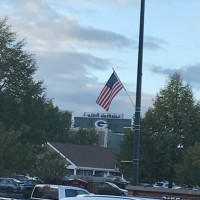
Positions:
{"x": 70, "y": 193}
{"x": 81, "y": 192}
{"x": 45, "y": 193}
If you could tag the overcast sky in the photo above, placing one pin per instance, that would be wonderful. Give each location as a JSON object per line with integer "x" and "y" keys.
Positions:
{"x": 76, "y": 44}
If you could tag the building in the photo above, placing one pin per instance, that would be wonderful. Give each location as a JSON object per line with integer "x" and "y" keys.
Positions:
{"x": 82, "y": 160}
{"x": 109, "y": 126}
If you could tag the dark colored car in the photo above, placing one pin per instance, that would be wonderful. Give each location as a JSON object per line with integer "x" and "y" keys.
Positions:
{"x": 117, "y": 180}
{"x": 28, "y": 182}
{"x": 107, "y": 188}
{"x": 10, "y": 185}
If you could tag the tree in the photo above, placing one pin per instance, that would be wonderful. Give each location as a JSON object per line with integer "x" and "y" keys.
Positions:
{"x": 16, "y": 83}
{"x": 50, "y": 167}
{"x": 125, "y": 156}
{"x": 22, "y": 100}
{"x": 21, "y": 96}
{"x": 58, "y": 125}
{"x": 28, "y": 119}
{"x": 15, "y": 156}
{"x": 168, "y": 129}
{"x": 188, "y": 171}
{"x": 6, "y": 139}
{"x": 85, "y": 137}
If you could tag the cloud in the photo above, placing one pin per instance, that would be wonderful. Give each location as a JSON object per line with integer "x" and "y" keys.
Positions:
{"x": 65, "y": 65}
{"x": 69, "y": 32}
{"x": 115, "y": 3}
{"x": 190, "y": 74}
{"x": 152, "y": 43}
{"x": 66, "y": 79}
{"x": 42, "y": 24}
{"x": 45, "y": 28}
{"x": 66, "y": 51}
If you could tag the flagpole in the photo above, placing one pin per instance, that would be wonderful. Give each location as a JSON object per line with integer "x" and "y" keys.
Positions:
{"x": 138, "y": 99}
{"x": 124, "y": 88}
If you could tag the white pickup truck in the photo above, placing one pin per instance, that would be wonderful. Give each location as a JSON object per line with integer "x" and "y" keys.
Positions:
{"x": 109, "y": 197}
{"x": 56, "y": 192}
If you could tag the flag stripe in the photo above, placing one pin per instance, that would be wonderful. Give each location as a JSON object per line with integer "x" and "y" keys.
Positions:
{"x": 116, "y": 89}
{"x": 110, "y": 90}
{"x": 103, "y": 94}
{"x": 105, "y": 98}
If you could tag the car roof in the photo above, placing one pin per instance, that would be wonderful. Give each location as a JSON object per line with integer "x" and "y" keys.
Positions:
{"x": 57, "y": 186}
{"x": 7, "y": 178}
{"x": 114, "y": 185}
{"x": 106, "y": 197}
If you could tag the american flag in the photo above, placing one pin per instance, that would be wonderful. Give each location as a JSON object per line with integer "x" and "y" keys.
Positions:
{"x": 112, "y": 87}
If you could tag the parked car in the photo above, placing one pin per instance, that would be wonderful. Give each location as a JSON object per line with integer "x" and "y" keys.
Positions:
{"x": 161, "y": 184}
{"x": 117, "y": 180}
{"x": 108, "y": 188}
{"x": 28, "y": 182}
{"x": 146, "y": 184}
{"x": 165, "y": 184}
{"x": 11, "y": 185}
{"x": 56, "y": 192}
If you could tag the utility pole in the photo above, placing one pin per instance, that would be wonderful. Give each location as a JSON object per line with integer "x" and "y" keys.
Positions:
{"x": 138, "y": 99}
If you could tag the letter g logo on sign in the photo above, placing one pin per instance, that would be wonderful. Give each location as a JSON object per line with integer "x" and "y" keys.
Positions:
{"x": 101, "y": 124}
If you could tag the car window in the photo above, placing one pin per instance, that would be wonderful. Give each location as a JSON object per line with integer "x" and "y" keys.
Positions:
{"x": 15, "y": 180}
{"x": 81, "y": 192}
{"x": 102, "y": 184}
{"x": 70, "y": 193}
{"x": 28, "y": 182}
{"x": 45, "y": 193}
{"x": 113, "y": 185}
{"x": 4, "y": 181}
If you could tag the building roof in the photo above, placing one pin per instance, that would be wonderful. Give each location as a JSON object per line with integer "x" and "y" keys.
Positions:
{"x": 87, "y": 156}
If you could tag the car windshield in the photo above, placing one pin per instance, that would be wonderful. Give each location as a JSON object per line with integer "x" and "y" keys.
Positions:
{"x": 159, "y": 184}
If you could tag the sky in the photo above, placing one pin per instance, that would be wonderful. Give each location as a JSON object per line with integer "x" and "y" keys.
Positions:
{"x": 78, "y": 43}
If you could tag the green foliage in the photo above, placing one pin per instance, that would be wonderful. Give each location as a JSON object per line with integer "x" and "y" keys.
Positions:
{"x": 27, "y": 118}
{"x": 14, "y": 155}
{"x": 188, "y": 172}
{"x": 50, "y": 167}
{"x": 17, "y": 88}
{"x": 85, "y": 137}
{"x": 169, "y": 124}
{"x": 58, "y": 125}
{"x": 168, "y": 129}
{"x": 125, "y": 155}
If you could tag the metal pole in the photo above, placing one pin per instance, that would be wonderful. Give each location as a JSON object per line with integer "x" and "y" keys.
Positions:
{"x": 138, "y": 99}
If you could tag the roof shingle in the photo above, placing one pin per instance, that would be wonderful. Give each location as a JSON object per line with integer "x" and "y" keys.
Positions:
{"x": 88, "y": 156}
